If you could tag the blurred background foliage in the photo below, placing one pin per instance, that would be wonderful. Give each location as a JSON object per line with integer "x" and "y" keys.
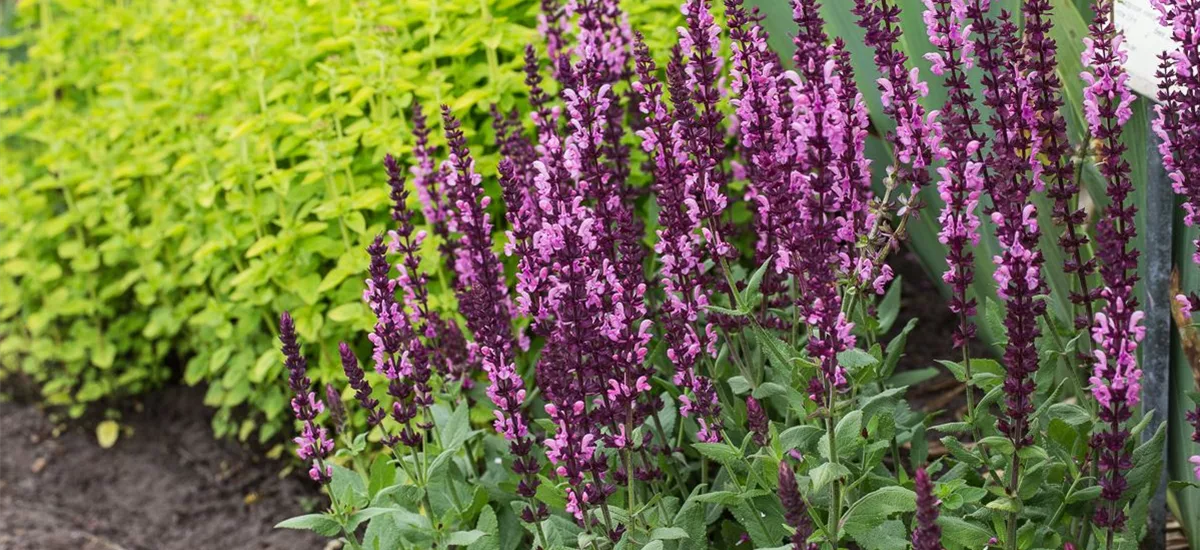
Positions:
{"x": 173, "y": 174}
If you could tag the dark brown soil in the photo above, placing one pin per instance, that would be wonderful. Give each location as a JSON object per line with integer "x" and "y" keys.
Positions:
{"x": 168, "y": 485}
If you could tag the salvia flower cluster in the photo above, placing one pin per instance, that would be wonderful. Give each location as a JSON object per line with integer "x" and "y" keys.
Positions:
{"x": 641, "y": 373}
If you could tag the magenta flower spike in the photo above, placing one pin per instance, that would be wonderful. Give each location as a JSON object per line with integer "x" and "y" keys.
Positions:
{"x": 962, "y": 179}
{"x": 314, "y": 444}
{"x": 927, "y": 534}
{"x": 795, "y": 510}
{"x": 1051, "y": 127}
{"x": 1177, "y": 123}
{"x": 1116, "y": 377}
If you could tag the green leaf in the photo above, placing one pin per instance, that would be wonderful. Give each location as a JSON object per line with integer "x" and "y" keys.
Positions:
{"x": 855, "y": 359}
{"x": 106, "y": 433}
{"x": 895, "y": 349}
{"x": 1070, "y": 413}
{"x": 799, "y": 437}
{"x": 382, "y": 475}
{"x": 668, "y": 533}
{"x": 886, "y": 535}
{"x": 464, "y": 538}
{"x": 963, "y": 534}
{"x": 848, "y": 433}
{"x": 826, "y": 473}
{"x": 750, "y": 295}
{"x": 318, "y": 523}
{"x": 719, "y": 452}
{"x": 876, "y": 506}
{"x": 488, "y": 524}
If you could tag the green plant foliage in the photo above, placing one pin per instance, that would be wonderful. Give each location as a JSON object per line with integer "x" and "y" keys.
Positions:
{"x": 173, "y": 173}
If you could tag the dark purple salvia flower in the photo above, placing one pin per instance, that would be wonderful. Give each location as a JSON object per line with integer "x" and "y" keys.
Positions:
{"x": 757, "y": 96}
{"x": 1115, "y": 379}
{"x": 819, "y": 188}
{"x": 1059, "y": 165}
{"x": 1178, "y": 120}
{"x": 962, "y": 181}
{"x": 795, "y": 510}
{"x": 483, "y": 301}
{"x": 1015, "y": 173}
{"x": 917, "y": 133}
{"x": 701, "y": 129}
{"x": 412, "y": 283}
{"x": 313, "y": 444}
{"x": 756, "y": 420}
{"x": 679, "y": 246}
{"x": 553, "y": 24}
{"x": 362, "y": 387}
{"x": 927, "y": 534}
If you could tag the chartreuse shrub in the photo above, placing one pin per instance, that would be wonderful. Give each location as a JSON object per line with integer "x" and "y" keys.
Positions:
{"x": 173, "y": 173}
{"x": 654, "y": 385}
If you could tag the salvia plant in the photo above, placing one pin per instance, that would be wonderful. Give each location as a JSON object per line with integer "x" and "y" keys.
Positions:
{"x": 694, "y": 342}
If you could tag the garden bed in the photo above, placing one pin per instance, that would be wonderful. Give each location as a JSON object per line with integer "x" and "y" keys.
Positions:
{"x": 167, "y": 485}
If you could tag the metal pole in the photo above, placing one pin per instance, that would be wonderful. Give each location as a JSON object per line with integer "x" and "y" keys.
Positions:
{"x": 1156, "y": 348}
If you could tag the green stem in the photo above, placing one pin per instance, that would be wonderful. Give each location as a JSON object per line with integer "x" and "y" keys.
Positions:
{"x": 835, "y": 512}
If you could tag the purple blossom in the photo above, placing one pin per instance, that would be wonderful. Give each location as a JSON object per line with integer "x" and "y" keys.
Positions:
{"x": 927, "y": 534}
{"x": 917, "y": 133}
{"x": 1115, "y": 328}
{"x": 483, "y": 300}
{"x": 313, "y": 444}
{"x": 429, "y": 182}
{"x": 1014, "y": 175}
{"x": 1054, "y": 145}
{"x": 757, "y": 421}
{"x": 1178, "y": 120}
{"x": 795, "y": 509}
{"x": 962, "y": 180}
{"x": 818, "y": 188}
{"x": 337, "y": 412}
{"x": 679, "y": 246}
{"x": 362, "y": 387}
{"x": 1193, "y": 418}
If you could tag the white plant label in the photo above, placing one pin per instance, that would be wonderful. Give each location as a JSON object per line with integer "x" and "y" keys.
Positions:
{"x": 1145, "y": 39}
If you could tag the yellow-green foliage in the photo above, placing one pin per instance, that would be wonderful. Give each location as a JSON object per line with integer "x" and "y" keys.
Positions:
{"x": 173, "y": 174}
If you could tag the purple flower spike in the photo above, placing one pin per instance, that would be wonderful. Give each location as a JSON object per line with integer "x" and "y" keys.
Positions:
{"x": 1054, "y": 145}
{"x": 1115, "y": 379}
{"x": 679, "y": 246}
{"x": 927, "y": 535}
{"x": 756, "y": 419}
{"x": 1178, "y": 120}
{"x": 795, "y": 510}
{"x": 483, "y": 300}
{"x": 917, "y": 133}
{"x": 962, "y": 180}
{"x": 362, "y": 388}
{"x": 314, "y": 444}
{"x": 337, "y": 412}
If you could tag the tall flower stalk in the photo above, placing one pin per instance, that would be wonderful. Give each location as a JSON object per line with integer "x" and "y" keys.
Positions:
{"x": 483, "y": 301}
{"x": 1115, "y": 330}
{"x": 917, "y": 133}
{"x": 313, "y": 445}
